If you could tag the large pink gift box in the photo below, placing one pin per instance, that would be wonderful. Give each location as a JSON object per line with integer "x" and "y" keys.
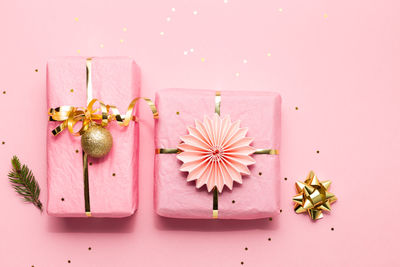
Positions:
{"x": 113, "y": 180}
{"x": 258, "y": 196}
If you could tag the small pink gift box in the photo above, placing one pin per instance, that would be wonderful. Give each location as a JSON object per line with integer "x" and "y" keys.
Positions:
{"x": 113, "y": 179}
{"x": 258, "y": 195}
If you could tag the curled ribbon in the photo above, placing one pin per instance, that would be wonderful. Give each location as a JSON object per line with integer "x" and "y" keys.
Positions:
{"x": 70, "y": 115}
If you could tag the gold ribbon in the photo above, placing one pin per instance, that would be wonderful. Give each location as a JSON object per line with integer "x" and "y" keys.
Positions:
{"x": 215, "y": 191}
{"x": 313, "y": 196}
{"x": 69, "y": 116}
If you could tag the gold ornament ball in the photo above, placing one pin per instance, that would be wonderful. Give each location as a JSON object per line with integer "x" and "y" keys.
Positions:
{"x": 96, "y": 141}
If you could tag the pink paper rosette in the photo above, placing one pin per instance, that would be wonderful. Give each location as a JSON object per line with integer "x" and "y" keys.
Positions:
{"x": 216, "y": 152}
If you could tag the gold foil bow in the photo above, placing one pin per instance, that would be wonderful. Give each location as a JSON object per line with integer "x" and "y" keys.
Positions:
{"x": 70, "y": 115}
{"x": 313, "y": 196}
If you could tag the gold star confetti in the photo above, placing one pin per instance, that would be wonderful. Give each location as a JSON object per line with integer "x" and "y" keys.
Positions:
{"x": 268, "y": 54}
{"x": 124, "y": 29}
{"x": 280, "y": 9}
{"x": 162, "y": 33}
{"x": 121, "y": 40}
{"x": 313, "y": 196}
{"x": 237, "y": 74}
{"x": 76, "y": 19}
{"x": 78, "y": 51}
{"x": 101, "y": 45}
{"x": 203, "y": 59}
{"x": 325, "y": 16}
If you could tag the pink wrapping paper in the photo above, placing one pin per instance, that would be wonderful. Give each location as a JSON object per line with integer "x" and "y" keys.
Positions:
{"x": 258, "y": 196}
{"x": 115, "y": 81}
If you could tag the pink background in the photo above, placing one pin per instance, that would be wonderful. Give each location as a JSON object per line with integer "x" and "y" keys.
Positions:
{"x": 337, "y": 61}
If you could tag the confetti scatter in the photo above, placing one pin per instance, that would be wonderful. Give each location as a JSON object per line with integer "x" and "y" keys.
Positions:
{"x": 78, "y": 51}
{"x": 121, "y": 41}
{"x": 101, "y": 45}
{"x": 162, "y": 33}
{"x": 237, "y": 74}
{"x": 203, "y": 59}
{"x": 173, "y": 9}
{"x": 244, "y": 61}
{"x": 195, "y": 12}
{"x": 268, "y": 54}
{"x": 185, "y": 53}
{"x": 280, "y": 9}
{"x": 325, "y": 16}
{"x": 191, "y": 50}
{"x": 124, "y": 29}
{"x": 76, "y": 19}
{"x": 168, "y": 19}
{"x": 225, "y": 1}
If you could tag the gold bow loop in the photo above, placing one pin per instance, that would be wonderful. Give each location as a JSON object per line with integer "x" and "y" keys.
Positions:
{"x": 70, "y": 115}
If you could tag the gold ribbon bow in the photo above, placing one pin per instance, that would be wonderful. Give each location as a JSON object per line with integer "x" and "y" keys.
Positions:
{"x": 313, "y": 196}
{"x": 70, "y": 115}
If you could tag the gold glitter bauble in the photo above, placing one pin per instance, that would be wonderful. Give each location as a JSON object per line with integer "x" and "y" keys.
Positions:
{"x": 96, "y": 141}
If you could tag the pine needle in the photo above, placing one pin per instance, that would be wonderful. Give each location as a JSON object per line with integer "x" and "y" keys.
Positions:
{"x": 24, "y": 183}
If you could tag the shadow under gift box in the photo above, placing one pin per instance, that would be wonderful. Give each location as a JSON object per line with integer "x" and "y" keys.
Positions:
{"x": 113, "y": 180}
{"x": 259, "y": 195}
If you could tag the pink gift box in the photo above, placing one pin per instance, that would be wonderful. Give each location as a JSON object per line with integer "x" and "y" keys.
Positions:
{"x": 259, "y": 194}
{"x": 113, "y": 179}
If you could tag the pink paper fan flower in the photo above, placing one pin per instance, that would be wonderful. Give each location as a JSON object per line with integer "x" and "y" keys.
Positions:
{"x": 216, "y": 152}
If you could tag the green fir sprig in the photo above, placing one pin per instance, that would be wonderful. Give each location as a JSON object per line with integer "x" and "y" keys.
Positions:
{"x": 24, "y": 182}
